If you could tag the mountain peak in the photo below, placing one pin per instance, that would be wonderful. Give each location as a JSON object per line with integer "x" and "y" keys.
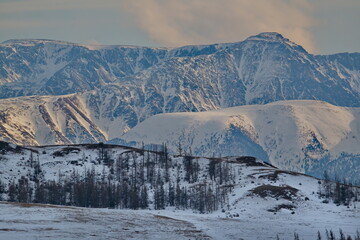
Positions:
{"x": 271, "y": 36}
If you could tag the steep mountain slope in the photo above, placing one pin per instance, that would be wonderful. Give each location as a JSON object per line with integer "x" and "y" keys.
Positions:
{"x": 302, "y": 135}
{"x": 236, "y": 193}
{"x": 46, "y": 67}
{"x": 86, "y": 117}
{"x": 40, "y": 120}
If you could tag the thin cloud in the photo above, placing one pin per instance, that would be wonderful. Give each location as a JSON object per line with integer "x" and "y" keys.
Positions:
{"x": 175, "y": 23}
{"x": 93, "y": 42}
{"x": 20, "y": 24}
{"x": 50, "y": 5}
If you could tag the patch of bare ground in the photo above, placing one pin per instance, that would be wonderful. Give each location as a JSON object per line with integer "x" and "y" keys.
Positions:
{"x": 168, "y": 218}
{"x": 46, "y": 229}
{"x": 9, "y": 230}
{"x": 278, "y": 192}
{"x": 282, "y": 206}
{"x": 274, "y": 175}
{"x": 65, "y": 151}
{"x": 28, "y": 205}
{"x": 190, "y": 231}
{"x": 249, "y": 161}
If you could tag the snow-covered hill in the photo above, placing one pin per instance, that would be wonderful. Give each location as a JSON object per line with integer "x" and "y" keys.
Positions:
{"x": 243, "y": 197}
{"x": 299, "y": 135}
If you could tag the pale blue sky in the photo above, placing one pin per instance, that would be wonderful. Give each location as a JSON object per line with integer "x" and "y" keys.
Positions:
{"x": 321, "y": 26}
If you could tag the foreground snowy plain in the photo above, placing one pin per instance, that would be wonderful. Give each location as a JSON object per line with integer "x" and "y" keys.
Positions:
{"x": 265, "y": 202}
{"x": 37, "y": 221}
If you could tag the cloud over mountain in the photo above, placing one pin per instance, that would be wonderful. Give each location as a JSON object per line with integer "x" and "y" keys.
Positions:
{"x": 177, "y": 23}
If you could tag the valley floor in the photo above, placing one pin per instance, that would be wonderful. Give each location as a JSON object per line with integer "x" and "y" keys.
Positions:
{"x": 37, "y": 221}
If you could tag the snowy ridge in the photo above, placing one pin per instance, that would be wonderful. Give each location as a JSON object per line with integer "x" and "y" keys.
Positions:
{"x": 298, "y": 135}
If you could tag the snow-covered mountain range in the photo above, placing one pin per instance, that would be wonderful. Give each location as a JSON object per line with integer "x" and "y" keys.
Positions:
{"x": 60, "y": 93}
{"x": 261, "y": 69}
{"x": 121, "y": 86}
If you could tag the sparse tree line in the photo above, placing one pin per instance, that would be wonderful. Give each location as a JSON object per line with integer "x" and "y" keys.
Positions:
{"x": 134, "y": 180}
{"x": 340, "y": 192}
